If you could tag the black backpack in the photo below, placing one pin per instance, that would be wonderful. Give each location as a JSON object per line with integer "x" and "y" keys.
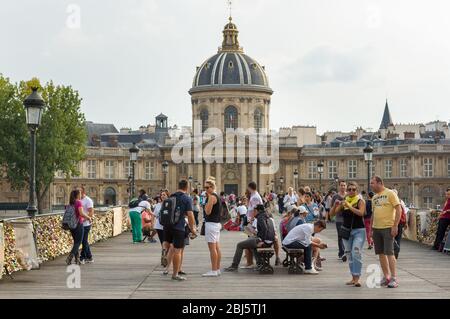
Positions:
{"x": 170, "y": 213}
{"x": 270, "y": 233}
{"x": 134, "y": 203}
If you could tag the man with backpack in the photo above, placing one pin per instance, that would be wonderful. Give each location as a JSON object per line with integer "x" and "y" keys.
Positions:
{"x": 172, "y": 216}
{"x": 264, "y": 237}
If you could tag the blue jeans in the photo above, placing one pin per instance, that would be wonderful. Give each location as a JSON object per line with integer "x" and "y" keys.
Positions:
{"x": 353, "y": 249}
{"x": 77, "y": 236}
{"x": 307, "y": 252}
{"x": 86, "y": 249}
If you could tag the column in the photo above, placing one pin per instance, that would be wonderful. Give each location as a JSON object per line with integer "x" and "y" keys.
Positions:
{"x": 243, "y": 179}
{"x": 219, "y": 182}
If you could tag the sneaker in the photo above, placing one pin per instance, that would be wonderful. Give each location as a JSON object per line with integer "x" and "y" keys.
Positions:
{"x": 247, "y": 267}
{"x": 219, "y": 272}
{"x": 89, "y": 260}
{"x": 370, "y": 247}
{"x": 152, "y": 240}
{"x": 311, "y": 271}
{"x": 82, "y": 261}
{"x": 182, "y": 273}
{"x": 178, "y": 278}
{"x": 231, "y": 269}
{"x": 384, "y": 282}
{"x": 393, "y": 283}
{"x": 165, "y": 272}
{"x": 211, "y": 273}
{"x": 344, "y": 258}
{"x": 69, "y": 259}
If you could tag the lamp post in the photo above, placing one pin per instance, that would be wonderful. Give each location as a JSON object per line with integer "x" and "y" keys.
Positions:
{"x": 281, "y": 183}
{"x": 165, "y": 170}
{"x": 272, "y": 183}
{"x": 368, "y": 157}
{"x": 336, "y": 182}
{"x": 34, "y": 106}
{"x": 320, "y": 171}
{"x": 134, "y": 150}
{"x": 190, "y": 179}
{"x": 296, "y": 179}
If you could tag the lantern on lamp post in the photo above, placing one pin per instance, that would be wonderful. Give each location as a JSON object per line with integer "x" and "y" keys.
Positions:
{"x": 34, "y": 106}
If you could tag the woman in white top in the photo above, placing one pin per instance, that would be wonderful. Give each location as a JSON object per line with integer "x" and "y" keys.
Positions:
{"x": 160, "y": 228}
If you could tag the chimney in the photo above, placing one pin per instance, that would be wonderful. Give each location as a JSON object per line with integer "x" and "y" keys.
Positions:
{"x": 113, "y": 140}
{"x": 95, "y": 140}
{"x": 410, "y": 135}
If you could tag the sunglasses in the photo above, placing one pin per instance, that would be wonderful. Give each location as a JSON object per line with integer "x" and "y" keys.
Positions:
{"x": 351, "y": 189}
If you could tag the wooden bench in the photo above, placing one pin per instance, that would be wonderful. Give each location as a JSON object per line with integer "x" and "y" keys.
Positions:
{"x": 294, "y": 260}
{"x": 265, "y": 254}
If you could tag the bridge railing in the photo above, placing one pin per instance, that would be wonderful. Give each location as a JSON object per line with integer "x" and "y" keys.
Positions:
{"x": 422, "y": 225}
{"x": 42, "y": 238}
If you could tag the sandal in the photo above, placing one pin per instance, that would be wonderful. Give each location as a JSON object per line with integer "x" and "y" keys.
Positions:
{"x": 357, "y": 284}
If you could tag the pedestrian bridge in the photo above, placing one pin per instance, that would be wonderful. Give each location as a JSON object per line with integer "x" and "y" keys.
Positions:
{"x": 123, "y": 270}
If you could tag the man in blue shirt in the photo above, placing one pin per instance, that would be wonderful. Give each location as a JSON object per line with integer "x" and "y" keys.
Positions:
{"x": 175, "y": 235}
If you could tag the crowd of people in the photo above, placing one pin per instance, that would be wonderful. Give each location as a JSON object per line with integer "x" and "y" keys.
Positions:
{"x": 377, "y": 218}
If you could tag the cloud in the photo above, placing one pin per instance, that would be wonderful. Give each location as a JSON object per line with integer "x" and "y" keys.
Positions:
{"x": 325, "y": 64}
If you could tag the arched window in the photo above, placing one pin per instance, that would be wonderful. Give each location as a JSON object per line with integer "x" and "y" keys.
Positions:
{"x": 258, "y": 120}
{"x": 231, "y": 117}
{"x": 204, "y": 115}
{"x": 110, "y": 197}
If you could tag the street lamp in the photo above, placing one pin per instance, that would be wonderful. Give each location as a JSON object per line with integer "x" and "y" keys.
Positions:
{"x": 271, "y": 185}
{"x": 134, "y": 150}
{"x": 368, "y": 157}
{"x": 34, "y": 106}
{"x": 190, "y": 179}
{"x": 281, "y": 183}
{"x": 295, "y": 179}
{"x": 320, "y": 171}
{"x": 165, "y": 170}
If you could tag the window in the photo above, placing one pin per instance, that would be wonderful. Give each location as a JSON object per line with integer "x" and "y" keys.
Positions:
{"x": 230, "y": 65}
{"x": 127, "y": 169}
{"x": 149, "y": 170}
{"x": 428, "y": 202}
{"x": 428, "y": 167}
{"x": 388, "y": 168}
{"x": 60, "y": 196}
{"x": 231, "y": 117}
{"x": 403, "y": 167}
{"x": 109, "y": 169}
{"x": 258, "y": 120}
{"x": 332, "y": 169}
{"x": 92, "y": 169}
{"x": 92, "y": 193}
{"x": 312, "y": 170}
{"x": 448, "y": 167}
{"x": 352, "y": 168}
{"x": 204, "y": 116}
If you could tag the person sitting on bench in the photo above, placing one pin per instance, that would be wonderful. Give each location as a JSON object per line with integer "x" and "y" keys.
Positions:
{"x": 264, "y": 238}
{"x": 300, "y": 237}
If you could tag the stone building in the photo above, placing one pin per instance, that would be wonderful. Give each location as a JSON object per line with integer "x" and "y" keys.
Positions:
{"x": 231, "y": 90}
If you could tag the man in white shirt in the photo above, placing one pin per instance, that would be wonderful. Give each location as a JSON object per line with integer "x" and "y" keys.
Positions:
{"x": 255, "y": 200}
{"x": 88, "y": 208}
{"x": 242, "y": 211}
{"x": 300, "y": 237}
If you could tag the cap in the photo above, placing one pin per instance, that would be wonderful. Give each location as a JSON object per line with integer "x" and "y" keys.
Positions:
{"x": 302, "y": 210}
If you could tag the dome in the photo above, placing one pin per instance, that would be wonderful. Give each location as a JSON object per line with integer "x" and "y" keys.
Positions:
{"x": 230, "y": 68}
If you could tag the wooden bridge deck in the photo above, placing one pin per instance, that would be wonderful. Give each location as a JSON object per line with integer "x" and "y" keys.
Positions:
{"x": 123, "y": 270}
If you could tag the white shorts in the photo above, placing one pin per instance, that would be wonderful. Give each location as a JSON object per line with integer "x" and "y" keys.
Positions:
{"x": 212, "y": 232}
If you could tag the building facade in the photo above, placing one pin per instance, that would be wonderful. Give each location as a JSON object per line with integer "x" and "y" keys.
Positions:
{"x": 231, "y": 90}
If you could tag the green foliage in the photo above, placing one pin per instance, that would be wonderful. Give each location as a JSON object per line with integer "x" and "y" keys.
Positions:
{"x": 60, "y": 138}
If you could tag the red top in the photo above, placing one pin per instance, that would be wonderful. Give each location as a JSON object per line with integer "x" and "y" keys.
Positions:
{"x": 77, "y": 205}
{"x": 446, "y": 208}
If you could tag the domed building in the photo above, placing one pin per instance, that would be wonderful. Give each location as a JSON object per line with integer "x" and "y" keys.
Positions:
{"x": 230, "y": 89}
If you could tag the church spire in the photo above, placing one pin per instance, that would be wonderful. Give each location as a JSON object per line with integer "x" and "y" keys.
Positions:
{"x": 387, "y": 119}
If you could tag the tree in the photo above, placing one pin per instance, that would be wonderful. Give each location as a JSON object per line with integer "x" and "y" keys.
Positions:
{"x": 61, "y": 138}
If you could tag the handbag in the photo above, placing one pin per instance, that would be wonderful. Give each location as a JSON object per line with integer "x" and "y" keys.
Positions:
{"x": 202, "y": 230}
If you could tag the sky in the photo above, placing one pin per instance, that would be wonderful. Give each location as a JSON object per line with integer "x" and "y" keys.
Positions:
{"x": 331, "y": 63}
